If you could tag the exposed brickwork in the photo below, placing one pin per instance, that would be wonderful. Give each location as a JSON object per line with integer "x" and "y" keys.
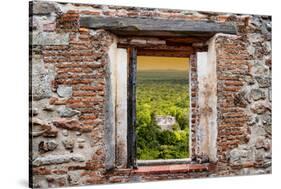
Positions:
{"x": 243, "y": 103}
{"x": 232, "y": 67}
{"x": 194, "y": 119}
{"x": 68, "y": 22}
{"x": 69, "y": 67}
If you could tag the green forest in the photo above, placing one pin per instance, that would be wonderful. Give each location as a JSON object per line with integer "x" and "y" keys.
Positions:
{"x": 164, "y": 93}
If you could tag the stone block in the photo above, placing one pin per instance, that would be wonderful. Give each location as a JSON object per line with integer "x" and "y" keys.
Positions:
{"x": 44, "y": 8}
{"x": 260, "y": 108}
{"x": 64, "y": 91}
{"x": 266, "y": 119}
{"x": 73, "y": 178}
{"x": 50, "y": 38}
{"x": 264, "y": 82}
{"x": 253, "y": 120}
{"x": 256, "y": 132}
{"x": 47, "y": 146}
{"x": 68, "y": 143}
{"x": 57, "y": 159}
{"x": 68, "y": 112}
{"x": 257, "y": 94}
{"x": 65, "y": 132}
{"x": 52, "y": 145}
{"x": 259, "y": 156}
{"x": 41, "y": 85}
{"x": 69, "y": 124}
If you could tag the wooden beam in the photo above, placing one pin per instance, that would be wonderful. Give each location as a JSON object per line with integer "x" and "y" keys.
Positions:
{"x": 158, "y": 47}
{"x": 156, "y": 27}
{"x": 184, "y": 40}
{"x": 131, "y": 108}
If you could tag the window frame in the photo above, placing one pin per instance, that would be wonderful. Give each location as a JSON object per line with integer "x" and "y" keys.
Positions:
{"x": 131, "y": 109}
{"x": 131, "y": 119}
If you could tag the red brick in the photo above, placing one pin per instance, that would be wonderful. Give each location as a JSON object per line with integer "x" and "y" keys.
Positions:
{"x": 90, "y": 12}
{"x": 41, "y": 171}
{"x": 83, "y": 93}
{"x": 87, "y": 117}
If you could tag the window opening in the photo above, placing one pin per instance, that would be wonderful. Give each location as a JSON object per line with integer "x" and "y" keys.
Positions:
{"x": 162, "y": 108}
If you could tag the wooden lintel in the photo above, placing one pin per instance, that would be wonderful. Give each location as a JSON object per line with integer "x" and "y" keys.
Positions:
{"x": 157, "y": 47}
{"x": 156, "y": 27}
{"x": 185, "y": 40}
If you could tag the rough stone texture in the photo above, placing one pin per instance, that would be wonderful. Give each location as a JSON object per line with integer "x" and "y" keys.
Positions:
{"x": 71, "y": 124}
{"x": 48, "y": 38}
{"x": 45, "y": 8}
{"x": 41, "y": 127}
{"x": 264, "y": 82}
{"x": 257, "y": 94}
{"x": 47, "y": 146}
{"x": 244, "y": 136}
{"x": 74, "y": 178}
{"x": 40, "y": 82}
{"x": 52, "y": 145}
{"x": 70, "y": 84}
{"x": 64, "y": 91}
{"x": 57, "y": 159}
{"x": 68, "y": 112}
{"x": 260, "y": 108}
{"x": 68, "y": 143}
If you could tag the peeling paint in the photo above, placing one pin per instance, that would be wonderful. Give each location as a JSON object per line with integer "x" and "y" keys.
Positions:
{"x": 207, "y": 102}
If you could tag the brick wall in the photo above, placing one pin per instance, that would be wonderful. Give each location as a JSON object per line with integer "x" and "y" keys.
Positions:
{"x": 232, "y": 68}
{"x": 194, "y": 115}
{"x": 69, "y": 70}
{"x": 244, "y": 127}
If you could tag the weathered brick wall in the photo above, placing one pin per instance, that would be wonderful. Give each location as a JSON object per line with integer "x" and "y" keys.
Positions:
{"x": 71, "y": 104}
{"x": 244, "y": 93}
{"x": 69, "y": 67}
{"x": 194, "y": 116}
{"x": 232, "y": 69}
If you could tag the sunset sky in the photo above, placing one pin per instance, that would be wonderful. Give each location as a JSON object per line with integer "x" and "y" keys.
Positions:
{"x": 161, "y": 63}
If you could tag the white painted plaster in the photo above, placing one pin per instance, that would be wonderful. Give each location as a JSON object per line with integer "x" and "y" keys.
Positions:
{"x": 206, "y": 134}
